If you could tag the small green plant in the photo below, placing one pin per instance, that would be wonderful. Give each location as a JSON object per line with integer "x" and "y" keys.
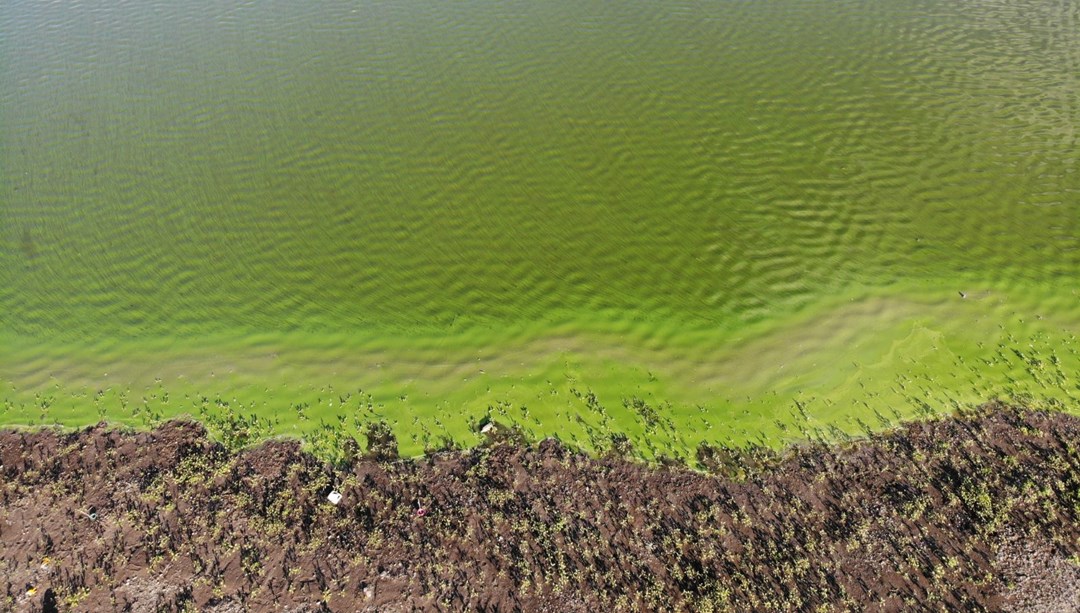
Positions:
{"x": 381, "y": 442}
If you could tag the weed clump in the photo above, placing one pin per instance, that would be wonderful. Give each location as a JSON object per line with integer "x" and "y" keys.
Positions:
{"x": 381, "y": 443}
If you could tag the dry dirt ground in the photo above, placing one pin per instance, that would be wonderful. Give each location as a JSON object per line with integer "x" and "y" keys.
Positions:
{"x": 975, "y": 512}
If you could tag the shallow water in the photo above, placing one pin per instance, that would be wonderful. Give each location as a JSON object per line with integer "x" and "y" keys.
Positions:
{"x": 727, "y": 206}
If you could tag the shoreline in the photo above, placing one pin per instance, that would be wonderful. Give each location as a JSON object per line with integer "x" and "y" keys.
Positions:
{"x": 972, "y": 511}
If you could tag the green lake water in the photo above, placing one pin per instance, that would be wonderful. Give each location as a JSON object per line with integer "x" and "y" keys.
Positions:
{"x": 763, "y": 219}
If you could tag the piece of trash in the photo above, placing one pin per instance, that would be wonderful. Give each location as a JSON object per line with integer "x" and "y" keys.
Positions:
{"x": 421, "y": 512}
{"x": 334, "y": 497}
{"x": 488, "y": 427}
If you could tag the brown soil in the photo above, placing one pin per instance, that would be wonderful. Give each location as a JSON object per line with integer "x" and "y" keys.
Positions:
{"x": 978, "y": 512}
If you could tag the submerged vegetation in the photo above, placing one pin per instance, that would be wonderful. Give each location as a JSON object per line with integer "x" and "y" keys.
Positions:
{"x": 331, "y": 421}
{"x": 974, "y": 511}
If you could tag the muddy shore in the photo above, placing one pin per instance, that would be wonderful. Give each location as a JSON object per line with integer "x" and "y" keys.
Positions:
{"x": 974, "y": 512}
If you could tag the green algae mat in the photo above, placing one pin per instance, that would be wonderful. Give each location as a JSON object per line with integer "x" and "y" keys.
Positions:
{"x": 681, "y": 221}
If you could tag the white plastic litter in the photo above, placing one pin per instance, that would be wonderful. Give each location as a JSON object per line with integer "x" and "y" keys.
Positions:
{"x": 334, "y": 497}
{"x": 488, "y": 427}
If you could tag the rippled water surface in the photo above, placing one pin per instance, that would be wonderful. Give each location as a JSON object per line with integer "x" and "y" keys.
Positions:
{"x": 725, "y": 206}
